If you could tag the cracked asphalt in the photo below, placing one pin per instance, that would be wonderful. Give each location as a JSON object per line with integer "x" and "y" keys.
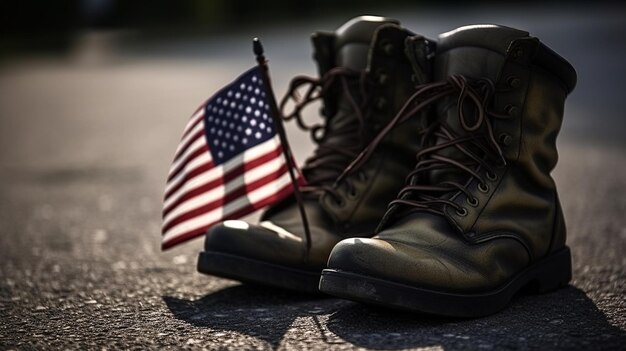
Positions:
{"x": 86, "y": 139}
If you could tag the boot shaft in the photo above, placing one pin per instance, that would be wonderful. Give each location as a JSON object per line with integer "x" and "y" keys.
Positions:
{"x": 479, "y": 219}
{"x": 391, "y": 61}
{"x": 396, "y": 61}
{"x": 393, "y": 58}
{"x": 531, "y": 84}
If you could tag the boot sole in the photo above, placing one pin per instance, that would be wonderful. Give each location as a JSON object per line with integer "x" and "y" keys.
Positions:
{"x": 258, "y": 272}
{"x": 545, "y": 275}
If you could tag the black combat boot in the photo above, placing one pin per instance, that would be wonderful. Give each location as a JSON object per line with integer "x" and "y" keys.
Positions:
{"x": 479, "y": 218}
{"x": 368, "y": 69}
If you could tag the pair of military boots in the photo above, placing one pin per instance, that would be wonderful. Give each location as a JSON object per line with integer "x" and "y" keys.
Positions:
{"x": 430, "y": 187}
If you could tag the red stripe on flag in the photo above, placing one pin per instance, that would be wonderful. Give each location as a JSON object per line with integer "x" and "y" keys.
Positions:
{"x": 188, "y": 144}
{"x": 185, "y": 236}
{"x": 199, "y": 190}
{"x": 284, "y": 192}
{"x": 187, "y": 159}
{"x": 194, "y": 192}
{"x": 230, "y": 174}
{"x": 188, "y": 176}
{"x": 227, "y": 198}
{"x": 193, "y": 123}
{"x": 252, "y": 164}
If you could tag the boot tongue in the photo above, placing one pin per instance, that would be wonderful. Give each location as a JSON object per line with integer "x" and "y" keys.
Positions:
{"x": 353, "y": 40}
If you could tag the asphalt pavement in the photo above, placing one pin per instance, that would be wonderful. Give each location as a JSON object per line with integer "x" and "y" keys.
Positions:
{"x": 86, "y": 139}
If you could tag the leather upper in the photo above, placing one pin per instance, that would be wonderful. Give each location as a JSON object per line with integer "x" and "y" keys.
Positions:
{"x": 517, "y": 218}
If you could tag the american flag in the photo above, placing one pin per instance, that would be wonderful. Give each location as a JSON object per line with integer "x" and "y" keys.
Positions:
{"x": 229, "y": 162}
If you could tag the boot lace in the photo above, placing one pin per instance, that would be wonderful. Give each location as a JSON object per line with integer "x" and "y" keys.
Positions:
{"x": 477, "y": 147}
{"x": 330, "y": 158}
{"x": 476, "y": 150}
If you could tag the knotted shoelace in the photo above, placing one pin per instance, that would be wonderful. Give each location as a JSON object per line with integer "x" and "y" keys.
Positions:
{"x": 478, "y": 147}
{"x": 330, "y": 159}
{"x": 477, "y": 144}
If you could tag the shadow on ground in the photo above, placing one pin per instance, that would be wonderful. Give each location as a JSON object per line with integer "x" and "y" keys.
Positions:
{"x": 564, "y": 319}
{"x": 256, "y": 311}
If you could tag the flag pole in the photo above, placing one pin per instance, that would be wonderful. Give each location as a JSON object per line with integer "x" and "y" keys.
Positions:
{"x": 278, "y": 122}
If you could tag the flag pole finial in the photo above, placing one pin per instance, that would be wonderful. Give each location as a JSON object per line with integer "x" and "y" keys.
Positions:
{"x": 257, "y": 48}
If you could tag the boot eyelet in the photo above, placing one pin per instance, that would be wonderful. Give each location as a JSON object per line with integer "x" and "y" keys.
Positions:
{"x": 462, "y": 212}
{"x": 318, "y": 133}
{"x": 513, "y": 82}
{"x": 491, "y": 176}
{"x": 511, "y": 110}
{"x": 483, "y": 188}
{"x": 472, "y": 201}
{"x": 505, "y": 139}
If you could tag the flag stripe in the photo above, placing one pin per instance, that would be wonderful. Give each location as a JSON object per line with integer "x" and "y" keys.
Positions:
{"x": 229, "y": 197}
{"x": 205, "y": 173}
{"x": 232, "y": 178}
{"x": 180, "y": 238}
{"x": 202, "y": 171}
{"x": 172, "y": 240}
{"x": 209, "y": 217}
{"x": 199, "y": 148}
{"x": 194, "y": 120}
{"x": 187, "y": 141}
{"x": 270, "y": 162}
{"x": 183, "y": 157}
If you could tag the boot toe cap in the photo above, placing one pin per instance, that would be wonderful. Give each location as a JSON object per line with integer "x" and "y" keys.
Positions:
{"x": 253, "y": 241}
{"x": 271, "y": 242}
{"x": 385, "y": 260}
{"x": 417, "y": 266}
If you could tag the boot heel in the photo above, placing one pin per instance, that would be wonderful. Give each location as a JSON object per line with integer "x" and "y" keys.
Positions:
{"x": 553, "y": 273}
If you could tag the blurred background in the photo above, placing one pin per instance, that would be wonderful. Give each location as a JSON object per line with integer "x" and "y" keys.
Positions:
{"x": 90, "y": 80}
{"x": 94, "y": 95}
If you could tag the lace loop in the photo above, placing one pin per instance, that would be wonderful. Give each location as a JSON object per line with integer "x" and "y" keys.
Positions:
{"x": 330, "y": 159}
{"x": 476, "y": 153}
